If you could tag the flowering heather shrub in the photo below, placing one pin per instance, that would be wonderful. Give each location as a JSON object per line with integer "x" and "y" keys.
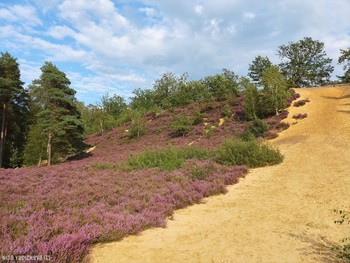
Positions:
{"x": 281, "y": 126}
{"x": 300, "y": 116}
{"x": 293, "y": 97}
{"x": 61, "y": 210}
{"x": 300, "y": 103}
{"x": 284, "y": 114}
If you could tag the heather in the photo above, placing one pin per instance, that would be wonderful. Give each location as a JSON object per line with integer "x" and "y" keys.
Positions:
{"x": 126, "y": 184}
{"x": 62, "y": 210}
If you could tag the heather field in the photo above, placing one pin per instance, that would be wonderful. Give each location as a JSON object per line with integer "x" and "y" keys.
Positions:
{"x": 116, "y": 191}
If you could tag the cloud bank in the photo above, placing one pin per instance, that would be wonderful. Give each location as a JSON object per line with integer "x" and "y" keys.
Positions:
{"x": 117, "y": 46}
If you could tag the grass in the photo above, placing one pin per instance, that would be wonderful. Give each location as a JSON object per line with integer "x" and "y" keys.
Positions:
{"x": 230, "y": 153}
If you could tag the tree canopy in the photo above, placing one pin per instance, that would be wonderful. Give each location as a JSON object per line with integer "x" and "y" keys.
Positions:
{"x": 345, "y": 60}
{"x": 58, "y": 120}
{"x": 14, "y": 109}
{"x": 305, "y": 63}
{"x": 257, "y": 67}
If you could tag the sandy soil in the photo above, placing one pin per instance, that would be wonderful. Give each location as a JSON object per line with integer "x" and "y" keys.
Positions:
{"x": 276, "y": 214}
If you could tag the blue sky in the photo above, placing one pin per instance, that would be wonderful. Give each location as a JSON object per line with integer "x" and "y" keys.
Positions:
{"x": 116, "y": 46}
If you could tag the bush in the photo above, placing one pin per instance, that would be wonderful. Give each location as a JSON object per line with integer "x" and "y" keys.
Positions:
{"x": 166, "y": 159}
{"x": 137, "y": 126}
{"x": 255, "y": 129}
{"x": 300, "y": 116}
{"x": 180, "y": 126}
{"x": 281, "y": 126}
{"x": 197, "y": 118}
{"x": 226, "y": 111}
{"x": 251, "y": 153}
{"x": 300, "y": 103}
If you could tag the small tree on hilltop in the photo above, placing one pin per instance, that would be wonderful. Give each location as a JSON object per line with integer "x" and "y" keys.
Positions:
{"x": 275, "y": 87}
{"x": 251, "y": 99}
{"x": 257, "y": 67}
{"x": 305, "y": 63}
{"x": 345, "y": 60}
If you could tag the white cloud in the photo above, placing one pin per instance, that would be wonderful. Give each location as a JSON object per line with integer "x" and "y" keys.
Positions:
{"x": 126, "y": 44}
{"x": 61, "y": 32}
{"x": 20, "y": 13}
{"x": 249, "y": 15}
{"x": 198, "y": 9}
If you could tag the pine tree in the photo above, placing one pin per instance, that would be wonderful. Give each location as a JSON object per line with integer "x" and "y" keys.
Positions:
{"x": 13, "y": 109}
{"x": 57, "y": 115}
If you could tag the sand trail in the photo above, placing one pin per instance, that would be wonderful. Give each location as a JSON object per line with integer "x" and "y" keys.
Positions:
{"x": 276, "y": 214}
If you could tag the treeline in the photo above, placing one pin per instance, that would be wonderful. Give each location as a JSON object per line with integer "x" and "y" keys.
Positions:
{"x": 46, "y": 122}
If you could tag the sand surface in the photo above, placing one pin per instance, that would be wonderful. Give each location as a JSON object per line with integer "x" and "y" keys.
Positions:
{"x": 282, "y": 213}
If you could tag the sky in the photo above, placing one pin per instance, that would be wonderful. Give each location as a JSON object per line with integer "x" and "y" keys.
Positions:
{"x": 116, "y": 46}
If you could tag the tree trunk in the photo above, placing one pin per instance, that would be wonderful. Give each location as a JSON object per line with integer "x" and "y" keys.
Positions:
{"x": 3, "y": 133}
{"x": 49, "y": 150}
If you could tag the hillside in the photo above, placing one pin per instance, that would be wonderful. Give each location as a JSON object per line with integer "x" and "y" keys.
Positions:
{"x": 61, "y": 210}
{"x": 282, "y": 213}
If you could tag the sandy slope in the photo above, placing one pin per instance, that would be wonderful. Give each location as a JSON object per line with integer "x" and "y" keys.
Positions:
{"x": 276, "y": 214}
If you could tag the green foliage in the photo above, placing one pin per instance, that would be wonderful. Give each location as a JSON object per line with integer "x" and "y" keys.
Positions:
{"x": 143, "y": 99}
{"x": 251, "y": 99}
{"x": 255, "y": 129}
{"x": 113, "y": 106}
{"x": 58, "y": 115}
{"x": 257, "y": 67}
{"x": 196, "y": 172}
{"x": 95, "y": 120}
{"x": 275, "y": 89}
{"x": 35, "y": 150}
{"x": 181, "y": 125}
{"x": 166, "y": 159}
{"x": 209, "y": 131}
{"x": 222, "y": 85}
{"x": 226, "y": 111}
{"x": 345, "y": 60}
{"x": 14, "y": 113}
{"x": 258, "y": 128}
{"x": 197, "y": 118}
{"x": 305, "y": 63}
{"x": 250, "y": 153}
{"x": 137, "y": 126}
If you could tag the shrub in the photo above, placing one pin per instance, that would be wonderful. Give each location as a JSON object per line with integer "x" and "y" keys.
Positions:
{"x": 300, "y": 116}
{"x": 197, "y": 118}
{"x": 226, "y": 111}
{"x": 255, "y": 129}
{"x": 137, "y": 126}
{"x": 180, "y": 126}
{"x": 166, "y": 159}
{"x": 249, "y": 153}
{"x": 197, "y": 171}
{"x": 300, "y": 103}
{"x": 281, "y": 126}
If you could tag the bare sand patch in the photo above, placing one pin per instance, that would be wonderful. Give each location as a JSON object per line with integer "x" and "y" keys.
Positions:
{"x": 281, "y": 213}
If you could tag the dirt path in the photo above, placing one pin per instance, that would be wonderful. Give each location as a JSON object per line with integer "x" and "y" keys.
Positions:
{"x": 276, "y": 214}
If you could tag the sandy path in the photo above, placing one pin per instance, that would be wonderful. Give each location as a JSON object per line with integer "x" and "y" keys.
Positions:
{"x": 276, "y": 214}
